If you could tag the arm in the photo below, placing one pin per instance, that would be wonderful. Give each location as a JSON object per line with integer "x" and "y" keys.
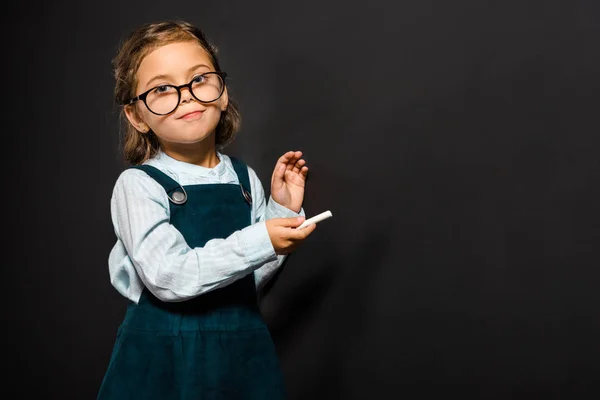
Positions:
{"x": 167, "y": 266}
{"x": 261, "y": 212}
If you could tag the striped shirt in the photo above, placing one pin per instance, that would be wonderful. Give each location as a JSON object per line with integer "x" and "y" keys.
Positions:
{"x": 152, "y": 253}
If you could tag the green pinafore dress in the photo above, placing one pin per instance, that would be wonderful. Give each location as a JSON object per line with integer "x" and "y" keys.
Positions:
{"x": 215, "y": 346}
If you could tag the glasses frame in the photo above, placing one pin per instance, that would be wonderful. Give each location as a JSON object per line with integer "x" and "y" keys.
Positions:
{"x": 143, "y": 96}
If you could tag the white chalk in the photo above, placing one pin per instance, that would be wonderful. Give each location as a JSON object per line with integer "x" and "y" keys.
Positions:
{"x": 315, "y": 219}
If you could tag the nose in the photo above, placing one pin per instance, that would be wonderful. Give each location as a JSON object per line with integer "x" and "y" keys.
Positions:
{"x": 186, "y": 95}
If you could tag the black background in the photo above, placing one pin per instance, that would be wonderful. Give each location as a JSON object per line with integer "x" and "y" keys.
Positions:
{"x": 456, "y": 144}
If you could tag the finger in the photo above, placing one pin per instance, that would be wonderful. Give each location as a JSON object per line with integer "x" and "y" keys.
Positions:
{"x": 278, "y": 175}
{"x": 282, "y": 162}
{"x": 298, "y": 166}
{"x": 304, "y": 172}
{"x": 290, "y": 222}
{"x": 308, "y": 230}
{"x": 294, "y": 178}
{"x": 300, "y": 234}
{"x": 284, "y": 159}
{"x": 293, "y": 160}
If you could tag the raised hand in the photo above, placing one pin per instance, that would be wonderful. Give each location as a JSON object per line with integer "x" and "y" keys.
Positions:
{"x": 288, "y": 180}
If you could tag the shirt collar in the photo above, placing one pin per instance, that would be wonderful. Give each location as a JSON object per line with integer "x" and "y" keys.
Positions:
{"x": 192, "y": 169}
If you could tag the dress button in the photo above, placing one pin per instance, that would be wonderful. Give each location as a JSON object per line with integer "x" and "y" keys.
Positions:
{"x": 179, "y": 197}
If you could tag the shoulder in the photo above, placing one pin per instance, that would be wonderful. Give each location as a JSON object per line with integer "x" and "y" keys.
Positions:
{"x": 133, "y": 176}
{"x": 133, "y": 182}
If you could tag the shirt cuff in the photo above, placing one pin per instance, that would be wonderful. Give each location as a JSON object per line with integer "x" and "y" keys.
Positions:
{"x": 276, "y": 210}
{"x": 257, "y": 244}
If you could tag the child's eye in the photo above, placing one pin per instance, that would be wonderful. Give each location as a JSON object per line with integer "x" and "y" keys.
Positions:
{"x": 163, "y": 88}
{"x": 199, "y": 79}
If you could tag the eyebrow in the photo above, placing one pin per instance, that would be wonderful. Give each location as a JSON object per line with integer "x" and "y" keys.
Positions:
{"x": 157, "y": 77}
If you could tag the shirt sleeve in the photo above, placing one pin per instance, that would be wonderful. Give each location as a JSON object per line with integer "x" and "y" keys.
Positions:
{"x": 168, "y": 267}
{"x": 263, "y": 211}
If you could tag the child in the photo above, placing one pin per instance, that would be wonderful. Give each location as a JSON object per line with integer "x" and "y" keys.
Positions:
{"x": 195, "y": 239}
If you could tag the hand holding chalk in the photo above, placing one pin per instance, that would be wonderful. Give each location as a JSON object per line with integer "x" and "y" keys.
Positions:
{"x": 284, "y": 235}
{"x": 315, "y": 219}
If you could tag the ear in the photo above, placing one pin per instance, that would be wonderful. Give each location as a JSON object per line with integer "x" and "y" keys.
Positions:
{"x": 224, "y": 100}
{"x": 135, "y": 119}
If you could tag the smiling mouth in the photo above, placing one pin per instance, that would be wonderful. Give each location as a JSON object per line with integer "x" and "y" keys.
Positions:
{"x": 192, "y": 115}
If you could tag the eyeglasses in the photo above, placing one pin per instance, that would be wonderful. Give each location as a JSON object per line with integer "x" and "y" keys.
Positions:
{"x": 164, "y": 99}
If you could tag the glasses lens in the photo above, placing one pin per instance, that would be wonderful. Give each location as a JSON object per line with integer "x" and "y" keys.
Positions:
{"x": 207, "y": 87}
{"x": 162, "y": 100}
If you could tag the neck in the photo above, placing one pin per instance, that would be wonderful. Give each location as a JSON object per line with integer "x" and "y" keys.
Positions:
{"x": 197, "y": 154}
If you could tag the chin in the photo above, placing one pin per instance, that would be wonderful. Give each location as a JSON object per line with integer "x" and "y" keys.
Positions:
{"x": 194, "y": 139}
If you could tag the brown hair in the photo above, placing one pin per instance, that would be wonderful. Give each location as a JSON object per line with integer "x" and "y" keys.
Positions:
{"x": 137, "y": 146}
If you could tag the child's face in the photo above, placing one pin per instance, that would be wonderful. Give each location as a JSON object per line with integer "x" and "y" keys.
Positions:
{"x": 191, "y": 122}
